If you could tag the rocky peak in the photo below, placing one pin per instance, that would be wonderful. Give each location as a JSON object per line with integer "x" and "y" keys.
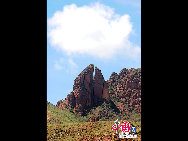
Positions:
{"x": 98, "y": 85}
{"x": 90, "y": 91}
{"x": 87, "y": 91}
{"x": 126, "y": 86}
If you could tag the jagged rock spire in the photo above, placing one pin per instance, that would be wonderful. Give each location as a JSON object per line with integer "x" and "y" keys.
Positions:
{"x": 87, "y": 91}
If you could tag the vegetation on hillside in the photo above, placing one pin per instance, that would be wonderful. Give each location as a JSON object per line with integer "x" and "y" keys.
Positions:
{"x": 96, "y": 124}
{"x": 63, "y": 125}
{"x": 93, "y": 131}
{"x": 58, "y": 116}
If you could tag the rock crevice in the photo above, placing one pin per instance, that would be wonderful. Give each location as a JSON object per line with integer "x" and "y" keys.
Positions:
{"x": 88, "y": 91}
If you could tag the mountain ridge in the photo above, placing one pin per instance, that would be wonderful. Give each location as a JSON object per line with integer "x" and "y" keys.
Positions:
{"x": 91, "y": 90}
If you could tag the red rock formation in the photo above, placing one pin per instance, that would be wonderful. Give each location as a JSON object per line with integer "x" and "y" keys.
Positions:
{"x": 106, "y": 94}
{"x": 126, "y": 85}
{"x": 100, "y": 87}
{"x": 89, "y": 92}
{"x": 61, "y": 105}
{"x": 86, "y": 91}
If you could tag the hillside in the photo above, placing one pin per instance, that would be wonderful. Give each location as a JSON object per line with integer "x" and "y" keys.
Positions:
{"x": 63, "y": 125}
{"x": 93, "y": 131}
{"x": 120, "y": 96}
{"x": 58, "y": 116}
{"x": 89, "y": 111}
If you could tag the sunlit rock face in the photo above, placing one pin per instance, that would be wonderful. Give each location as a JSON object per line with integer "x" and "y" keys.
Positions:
{"x": 90, "y": 90}
{"x": 87, "y": 91}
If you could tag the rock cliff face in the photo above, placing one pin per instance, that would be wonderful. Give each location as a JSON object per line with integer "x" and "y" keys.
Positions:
{"x": 100, "y": 88}
{"x": 126, "y": 86}
{"x": 124, "y": 89}
{"x": 87, "y": 91}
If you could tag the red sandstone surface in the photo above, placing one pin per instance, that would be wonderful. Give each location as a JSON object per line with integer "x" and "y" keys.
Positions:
{"x": 88, "y": 91}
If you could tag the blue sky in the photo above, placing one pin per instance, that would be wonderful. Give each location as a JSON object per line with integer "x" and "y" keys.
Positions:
{"x": 80, "y": 33}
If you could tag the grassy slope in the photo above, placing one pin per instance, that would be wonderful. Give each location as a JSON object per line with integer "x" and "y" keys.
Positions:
{"x": 58, "y": 116}
{"x": 64, "y": 125}
{"x": 100, "y": 130}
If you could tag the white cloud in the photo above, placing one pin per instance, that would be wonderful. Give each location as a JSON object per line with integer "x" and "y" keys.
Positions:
{"x": 92, "y": 30}
{"x": 68, "y": 66}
